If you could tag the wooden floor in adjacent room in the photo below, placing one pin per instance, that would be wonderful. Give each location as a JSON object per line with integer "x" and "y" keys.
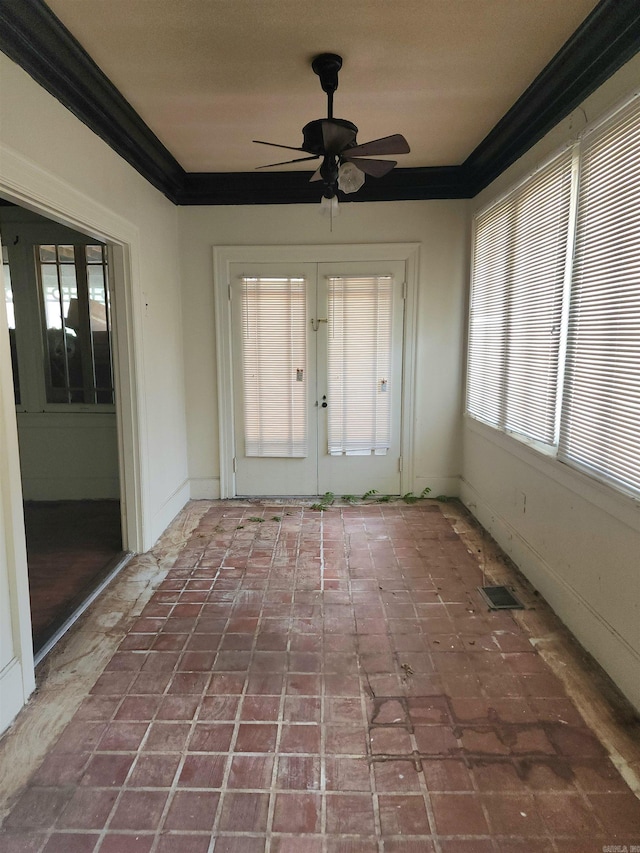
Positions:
{"x": 71, "y": 545}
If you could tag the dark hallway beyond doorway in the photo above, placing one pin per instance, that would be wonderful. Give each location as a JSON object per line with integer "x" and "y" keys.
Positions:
{"x": 71, "y": 547}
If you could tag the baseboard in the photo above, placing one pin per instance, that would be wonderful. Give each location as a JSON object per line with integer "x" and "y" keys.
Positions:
{"x": 619, "y": 659}
{"x": 449, "y": 486}
{"x": 205, "y": 488}
{"x": 12, "y": 696}
{"x": 167, "y": 512}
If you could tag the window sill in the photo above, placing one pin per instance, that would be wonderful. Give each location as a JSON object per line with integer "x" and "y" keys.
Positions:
{"x": 621, "y": 506}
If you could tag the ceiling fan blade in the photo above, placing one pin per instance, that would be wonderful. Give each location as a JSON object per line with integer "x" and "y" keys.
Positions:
{"x": 316, "y": 175}
{"x": 286, "y": 162}
{"x": 375, "y": 168}
{"x": 395, "y": 144}
{"x": 276, "y": 145}
{"x": 335, "y": 137}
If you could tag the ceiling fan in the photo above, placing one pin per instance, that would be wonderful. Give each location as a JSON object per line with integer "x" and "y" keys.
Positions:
{"x": 343, "y": 165}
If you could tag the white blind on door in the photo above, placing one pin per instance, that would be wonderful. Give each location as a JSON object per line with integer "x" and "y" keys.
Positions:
{"x": 274, "y": 366}
{"x": 360, "y": 324}
{"x": 600, "y": 424}
{"x": 516, "y": 304}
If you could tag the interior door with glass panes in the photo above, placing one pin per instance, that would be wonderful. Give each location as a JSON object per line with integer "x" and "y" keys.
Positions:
{"x": 317, "y": 365}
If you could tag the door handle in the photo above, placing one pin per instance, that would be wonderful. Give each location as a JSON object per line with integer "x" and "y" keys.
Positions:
{"x": 324, "y": 403}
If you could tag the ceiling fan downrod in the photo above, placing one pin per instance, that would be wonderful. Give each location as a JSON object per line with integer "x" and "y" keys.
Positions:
{"x": 326, "y": 66}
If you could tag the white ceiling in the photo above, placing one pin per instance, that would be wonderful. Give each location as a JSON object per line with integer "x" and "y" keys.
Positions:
{"x": 209, "y": 76}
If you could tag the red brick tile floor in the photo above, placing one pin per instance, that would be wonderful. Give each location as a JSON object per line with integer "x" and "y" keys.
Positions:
{"x": 306, "y": 682}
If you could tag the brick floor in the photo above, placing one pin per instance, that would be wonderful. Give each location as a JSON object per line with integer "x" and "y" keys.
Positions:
{"x": 324, "y": 683}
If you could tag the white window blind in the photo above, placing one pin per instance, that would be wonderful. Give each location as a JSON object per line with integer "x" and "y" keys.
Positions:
{"x": 600, "y": 421}
{"x": 516, "y": 304}
{"x": 274, "y": 366}
{"x": 359, "y": 360}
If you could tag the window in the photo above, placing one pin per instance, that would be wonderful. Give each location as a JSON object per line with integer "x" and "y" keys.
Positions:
{"x": 76, "y": 323}
{"x": 359, "y": 354}
{"x": 274, "y": 366}
{"x": 516, "y": 305}
{"x": 600, "y": 424}
{"x": 554, "y": 326}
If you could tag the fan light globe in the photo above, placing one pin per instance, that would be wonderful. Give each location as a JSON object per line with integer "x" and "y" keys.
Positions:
{"x": 329, "y": 206}
{"x": 350, "y": 178}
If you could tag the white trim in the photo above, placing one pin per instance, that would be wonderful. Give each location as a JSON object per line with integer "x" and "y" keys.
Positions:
{"x": 17, "y": 680}
{"x": 168, "y": 511}
{"x": 620, "y": 506}
{"x": 12, "y": 692}
{"x": 566, "y": 291}
{"x": 224, "y": 256}
{"x": 205, "y": 488}
{"x": 30, "y": 186}
{"x": 409, "y": 373}
{"x": 597, "y": 635}
{"x": 130, "y": 413}
{"x": 608, "y": 115}
{"x": 26, "y": 184}
{"x": 448, "y": 486}
{"x": 477, "y": 212}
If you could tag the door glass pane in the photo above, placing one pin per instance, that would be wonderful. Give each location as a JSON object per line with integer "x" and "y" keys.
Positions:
{"x": 359, "y": 359}
{"x": 274, "y": 366}
{"x": 75, "y": 298}
{"x": 99, "y": 322}
{"x": 62, "y": 345}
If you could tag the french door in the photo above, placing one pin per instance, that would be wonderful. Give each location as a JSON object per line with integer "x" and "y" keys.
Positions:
{"x": 317, "y": 370}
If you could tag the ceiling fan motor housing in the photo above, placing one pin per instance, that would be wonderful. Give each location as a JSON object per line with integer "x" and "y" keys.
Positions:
{"x": 314, "y": 137}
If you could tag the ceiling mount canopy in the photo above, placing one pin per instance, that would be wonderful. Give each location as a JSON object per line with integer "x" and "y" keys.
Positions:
{"x": 334, "y": 140}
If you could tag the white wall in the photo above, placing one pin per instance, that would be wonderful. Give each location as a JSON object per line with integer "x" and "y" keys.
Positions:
{"x": 56, "y": 162}
{"x": 440, "y": 229}
{"x": 577, "y": 541}
{"x": 51, "y": 163}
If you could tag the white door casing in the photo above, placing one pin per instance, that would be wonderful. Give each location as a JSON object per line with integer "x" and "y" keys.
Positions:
{"x": 397, "y": 260}
{"x": 317, "y": 358}
{"x": 27, "y": 185}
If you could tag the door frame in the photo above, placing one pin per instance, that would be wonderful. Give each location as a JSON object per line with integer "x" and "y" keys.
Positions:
{"x": 224, "y": 256}
{"x": 29, "y": 186}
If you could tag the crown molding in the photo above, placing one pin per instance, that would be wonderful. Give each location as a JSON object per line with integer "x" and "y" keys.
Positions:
{"x": 295, "y": 188}
{"x": 33, "y": 37}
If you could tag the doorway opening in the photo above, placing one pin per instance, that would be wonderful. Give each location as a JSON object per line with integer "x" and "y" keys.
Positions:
{"x": 318, "y": 377}
{"x": 316, "y": 365}
{"x": 57, "y": 292}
